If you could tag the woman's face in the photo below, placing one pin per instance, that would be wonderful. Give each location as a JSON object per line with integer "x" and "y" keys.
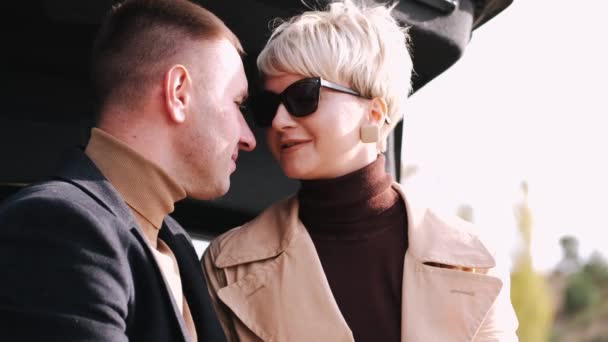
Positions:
{"x": 325, "y": 144}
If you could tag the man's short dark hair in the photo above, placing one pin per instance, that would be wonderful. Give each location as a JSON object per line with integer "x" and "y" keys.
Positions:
{"x": 136, "y": 37}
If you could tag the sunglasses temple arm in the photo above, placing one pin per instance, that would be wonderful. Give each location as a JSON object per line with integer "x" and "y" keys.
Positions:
{"x": 334, "y": 86}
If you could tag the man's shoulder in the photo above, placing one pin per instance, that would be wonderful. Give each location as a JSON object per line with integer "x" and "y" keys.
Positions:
{"x": 56, "y": 207}
{"x": 54, "y": 193}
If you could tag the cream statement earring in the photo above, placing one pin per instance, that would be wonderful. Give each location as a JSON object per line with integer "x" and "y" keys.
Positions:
{"x": 369, "y": 133}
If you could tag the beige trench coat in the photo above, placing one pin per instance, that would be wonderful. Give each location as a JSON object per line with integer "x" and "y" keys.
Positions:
{"x": 267, "y": 284}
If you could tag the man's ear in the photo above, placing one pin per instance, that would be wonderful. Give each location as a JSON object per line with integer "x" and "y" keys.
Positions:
{"x": 378, "y": 111}
{"x": 177, "y": 89}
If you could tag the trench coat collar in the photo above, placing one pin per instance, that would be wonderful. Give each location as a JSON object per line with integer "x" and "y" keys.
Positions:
{"x": 289, "y": 298}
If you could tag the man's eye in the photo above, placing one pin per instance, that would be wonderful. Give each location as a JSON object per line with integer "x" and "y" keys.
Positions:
{"x": 243, "y": 107}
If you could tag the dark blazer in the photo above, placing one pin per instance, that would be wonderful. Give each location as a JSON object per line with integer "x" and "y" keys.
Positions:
{"x": 75, "y": 267}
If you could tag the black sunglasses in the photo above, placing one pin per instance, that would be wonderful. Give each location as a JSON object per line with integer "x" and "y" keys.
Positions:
{"x": 301, "y": 98}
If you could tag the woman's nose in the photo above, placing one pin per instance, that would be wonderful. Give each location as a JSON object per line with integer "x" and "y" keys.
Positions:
{"x": 282, "y": 119}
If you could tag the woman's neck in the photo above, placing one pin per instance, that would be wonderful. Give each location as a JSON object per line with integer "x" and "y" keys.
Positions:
{"x": 346, "y": 204}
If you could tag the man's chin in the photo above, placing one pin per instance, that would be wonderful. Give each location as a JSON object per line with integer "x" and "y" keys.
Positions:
{"x": 221, "y": 189}
{"x": 212, "y": 192}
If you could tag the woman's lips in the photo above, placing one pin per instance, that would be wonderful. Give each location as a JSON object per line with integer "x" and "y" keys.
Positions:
{"x": 292, "y": 145}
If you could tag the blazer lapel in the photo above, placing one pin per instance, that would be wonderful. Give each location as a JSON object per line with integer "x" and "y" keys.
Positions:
{"x": 442, "y": 301}
{"x": 193, "y": 282}
{"x": 166, "y": 289}
{"x": 287, "y": 297}
{"x": 82, "y": 172}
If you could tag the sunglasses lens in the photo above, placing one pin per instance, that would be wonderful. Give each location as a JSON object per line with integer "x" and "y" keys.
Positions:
{"x": 302, "y": 98}
{"x": 264, "y": 107}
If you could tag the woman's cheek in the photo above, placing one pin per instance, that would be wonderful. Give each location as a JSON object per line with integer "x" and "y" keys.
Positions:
{"x": 272, "y": 139}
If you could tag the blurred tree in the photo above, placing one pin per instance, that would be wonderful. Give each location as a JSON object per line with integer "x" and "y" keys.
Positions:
{"x": 584, "y": 287}
{"x": 597, "y": 269}
{"x": 571, "y": 261}
{"x": 570, "y": 247}
{"x": 529, "y": 291}
{"x": 581, "y": 293}
{"x": 583, "y": 311}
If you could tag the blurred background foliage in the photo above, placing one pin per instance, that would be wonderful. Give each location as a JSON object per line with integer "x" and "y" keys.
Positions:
{"x": 529, "y": 290}
{"x": 567, "y": 304}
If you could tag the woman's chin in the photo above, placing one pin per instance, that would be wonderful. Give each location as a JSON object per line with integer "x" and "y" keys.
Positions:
{"x": 296, "y": 171}
{"x": 292, "y": 174}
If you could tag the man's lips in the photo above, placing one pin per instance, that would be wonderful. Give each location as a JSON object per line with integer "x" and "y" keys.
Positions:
{"x": 235, "y": 156}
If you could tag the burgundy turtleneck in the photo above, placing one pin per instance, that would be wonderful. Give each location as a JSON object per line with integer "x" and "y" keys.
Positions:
{"x": 358, "y": 225}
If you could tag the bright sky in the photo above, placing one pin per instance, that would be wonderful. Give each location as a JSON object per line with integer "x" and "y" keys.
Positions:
{"x": 527, "y": 101}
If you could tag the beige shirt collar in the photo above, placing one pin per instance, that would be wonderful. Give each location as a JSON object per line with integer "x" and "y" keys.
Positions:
{"x": 146, "y": 188}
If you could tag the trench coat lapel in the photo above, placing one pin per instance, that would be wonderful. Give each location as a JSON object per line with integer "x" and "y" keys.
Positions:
{"x": 444, "y": 303}
{"x": 289, "y": 298}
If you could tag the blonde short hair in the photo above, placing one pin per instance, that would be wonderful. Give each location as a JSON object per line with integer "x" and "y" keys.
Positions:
{"x": 354, "y": 44}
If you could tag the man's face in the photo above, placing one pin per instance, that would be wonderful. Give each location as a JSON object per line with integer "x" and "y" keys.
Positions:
{"x": 215, "y": 129}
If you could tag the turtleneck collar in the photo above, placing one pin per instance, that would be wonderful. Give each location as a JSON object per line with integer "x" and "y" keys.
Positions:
{"x": 347, "y": 204}
{"x": 146, "y": 188}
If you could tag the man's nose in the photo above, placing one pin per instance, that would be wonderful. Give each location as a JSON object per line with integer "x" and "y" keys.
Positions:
{"x": 247, "y": 140}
